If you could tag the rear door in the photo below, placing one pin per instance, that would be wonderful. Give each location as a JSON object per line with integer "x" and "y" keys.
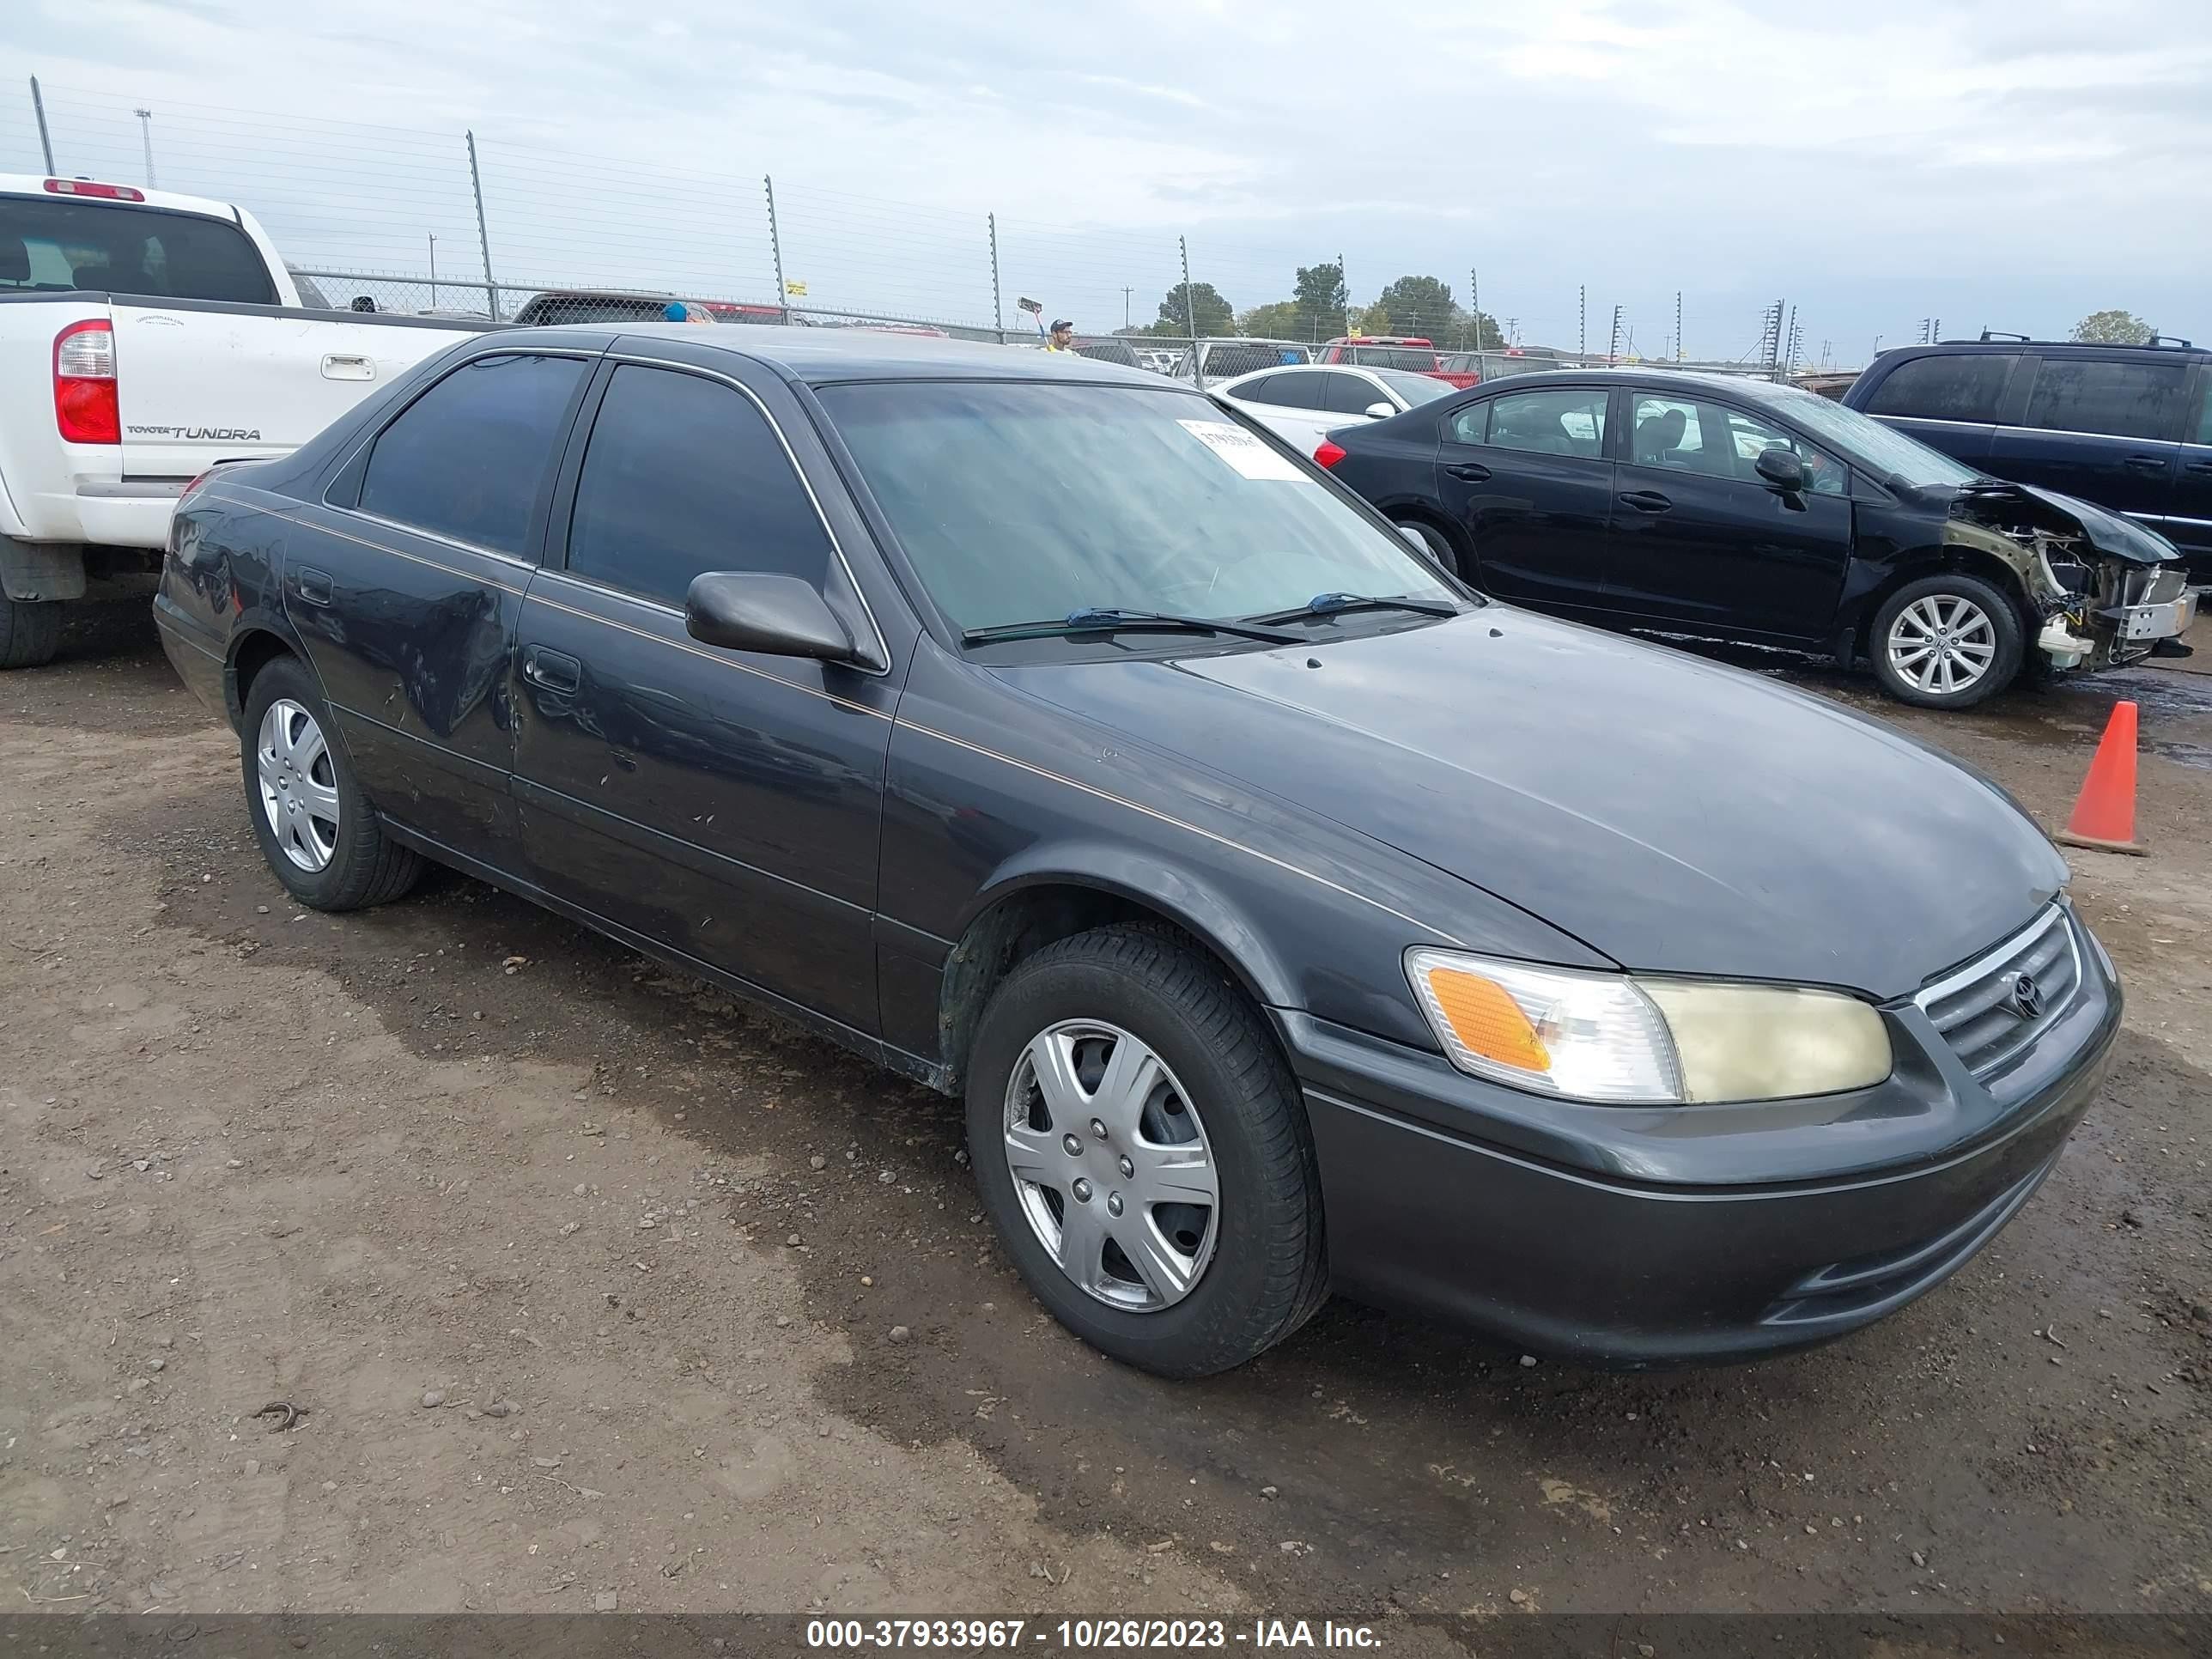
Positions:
{"x": 1702, "y": 543}
{"x": 1950, "y": 401}
{"x": 2189, "y": 525}
{"x": 2108, "y": 430}
{"x": 1528, "y": 475}
{"x": 723, "y": 803}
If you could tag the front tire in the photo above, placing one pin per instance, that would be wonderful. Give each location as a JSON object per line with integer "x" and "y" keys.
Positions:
{"x": 1946, "y": 642}
{"x": 1142, "y": 1150}
{"x": 315, "y": 826}
{"x": 30, "y": 632}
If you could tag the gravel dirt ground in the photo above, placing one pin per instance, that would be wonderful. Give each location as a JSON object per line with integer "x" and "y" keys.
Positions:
{"x": 594, "y": 1288}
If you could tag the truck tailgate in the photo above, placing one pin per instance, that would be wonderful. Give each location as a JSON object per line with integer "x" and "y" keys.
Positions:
{"x": 198, "y": 383}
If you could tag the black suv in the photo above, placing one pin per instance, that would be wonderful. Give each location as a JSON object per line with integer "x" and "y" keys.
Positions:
{"x": 2127, "y": 427}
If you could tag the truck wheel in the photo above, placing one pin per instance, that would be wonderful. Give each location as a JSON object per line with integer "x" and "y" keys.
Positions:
{"x": 1142, "y": 1150}
{"x": 30, "y": 632}
{"x": 1946, "y": 642}
{"x": 315, "y": 828}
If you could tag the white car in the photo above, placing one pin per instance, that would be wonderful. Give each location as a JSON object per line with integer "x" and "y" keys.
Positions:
{"x": 1300, "y": 403}
{"x": 144, "y": 338}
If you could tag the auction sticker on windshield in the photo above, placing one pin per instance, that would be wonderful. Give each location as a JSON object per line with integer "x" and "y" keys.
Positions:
{"x": 1244, "y": 450}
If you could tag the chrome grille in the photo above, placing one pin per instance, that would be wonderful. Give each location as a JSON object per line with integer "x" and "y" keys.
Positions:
{"x": 1982, "y": 1010}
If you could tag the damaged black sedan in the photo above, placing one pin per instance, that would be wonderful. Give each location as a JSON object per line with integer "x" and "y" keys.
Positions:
{"x": 1719, "y": 507}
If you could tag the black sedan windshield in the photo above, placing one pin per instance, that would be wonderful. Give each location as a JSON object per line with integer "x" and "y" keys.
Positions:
{"x": 1020, "y": 501}
{"x": 1883, "y": 451}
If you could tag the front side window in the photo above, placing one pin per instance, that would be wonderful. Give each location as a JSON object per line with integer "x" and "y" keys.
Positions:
{"x": 2122, "y": 400}
{"x": 467, "y": 458}
{"x": 1667, "y": 432}
{"x": 1026, "y": 500}
{"x": 1966, "y": 386}
{"x": 1562, "y": 421}
{"x": 684, "y": 474}
{"x": 1354, "y": 394}
{"x": 1749, "y": 437}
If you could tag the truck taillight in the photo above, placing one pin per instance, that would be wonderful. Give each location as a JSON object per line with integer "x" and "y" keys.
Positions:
{"x": 1328, "y": 455}
{"x": 88, "y": 187}
{"x": 85, "y": 408}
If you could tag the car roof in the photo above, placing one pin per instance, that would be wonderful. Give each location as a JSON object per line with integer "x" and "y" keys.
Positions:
{"x": 819, "y": 356}
{"x": 1741, "y": 386}
{"x": 2045, "y": 348}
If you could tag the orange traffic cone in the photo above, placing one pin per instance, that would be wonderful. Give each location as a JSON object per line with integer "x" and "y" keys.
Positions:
{"x": 2105, "y": 816}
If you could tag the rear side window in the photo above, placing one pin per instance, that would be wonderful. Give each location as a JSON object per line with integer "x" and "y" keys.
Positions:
{"x": 51, "y": 245}
{"x": 1965, "y": 387}
{"x": 1273, "y": 389}
{"x": 2127, "y": 400}
{"x": 2205, "y": 416}
{"x": 1551, "y": 422}
{"x": 467, "y": 458}
{"x": 682, "y": 476}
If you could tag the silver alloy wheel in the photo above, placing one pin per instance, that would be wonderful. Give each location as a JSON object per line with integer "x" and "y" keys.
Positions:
{"x": 299, "y": 789}
{"x": 1941, "y": 643}
{"x": 1111, "y": 1165}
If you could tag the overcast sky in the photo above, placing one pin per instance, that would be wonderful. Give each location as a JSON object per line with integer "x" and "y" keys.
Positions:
{"x": 2007, "y": 163}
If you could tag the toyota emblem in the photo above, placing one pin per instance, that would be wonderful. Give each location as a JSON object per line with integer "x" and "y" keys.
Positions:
{"x": 2026, "y": 997}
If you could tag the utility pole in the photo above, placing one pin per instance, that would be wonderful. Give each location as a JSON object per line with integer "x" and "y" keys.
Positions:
{"x": 484, "y": 231}
{"x": 39, "y": 108}
{"x": 1512, "y": 331}
{"x": 1613, "y": 345}
{"x": 1790, "y": 341}
{"x": 1344, "y": 281}
{"x": 1126, "y": 292}
{"x": 146, "y": 137}
{"x": 775, "y": 249}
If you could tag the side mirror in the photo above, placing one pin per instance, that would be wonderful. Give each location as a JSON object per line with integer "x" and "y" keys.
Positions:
{"x": 1783, "y": 468}
{"x": 776, "y": 616}
{"x": 1380, "y": 411}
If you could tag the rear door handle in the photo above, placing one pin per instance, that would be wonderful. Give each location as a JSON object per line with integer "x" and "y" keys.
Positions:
{"x": 1468, "y": 471}
{"x": 2147, "y": 462}
{"x": 2200, "y": 466}
{"x": 554, "y": 669}
{"x": 1645, "y": 501}
{"x": 313, "y": 585}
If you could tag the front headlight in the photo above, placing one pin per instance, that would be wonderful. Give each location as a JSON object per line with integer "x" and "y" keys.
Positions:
{"x": 1613, "y": 1039}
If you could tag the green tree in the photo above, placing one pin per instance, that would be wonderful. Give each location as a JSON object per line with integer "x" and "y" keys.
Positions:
{"x": 1416, "y": 305}
{"x": 1322, "y": 300}
{"x": 2112, "y": 328}
{"x": 1214, "y": 315}
{"x": 1280, "y": 319}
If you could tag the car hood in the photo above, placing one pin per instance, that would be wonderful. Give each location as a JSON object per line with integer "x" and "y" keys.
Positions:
{"x": 1999, "y": 506}
{"x": 1673, "y": 815}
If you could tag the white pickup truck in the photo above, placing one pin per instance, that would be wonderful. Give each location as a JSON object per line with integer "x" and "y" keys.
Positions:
{"x": 144, "y": 338}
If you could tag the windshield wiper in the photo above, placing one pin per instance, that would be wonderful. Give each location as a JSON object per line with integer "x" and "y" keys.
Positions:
{"x": 1108, "y": 619}
{"x": 1330, "y": 604}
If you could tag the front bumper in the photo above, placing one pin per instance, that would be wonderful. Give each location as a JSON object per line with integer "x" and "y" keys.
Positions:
{"x": 1681, "y": 1235}
{"x": 2140, "y": 624}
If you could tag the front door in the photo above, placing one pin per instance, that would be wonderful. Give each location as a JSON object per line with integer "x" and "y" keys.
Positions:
{"x": 1527, "y": 476}
{"x": 405, "y": 585}
{"x": 1702, "y": 543}
{"x": 726, "y": 804}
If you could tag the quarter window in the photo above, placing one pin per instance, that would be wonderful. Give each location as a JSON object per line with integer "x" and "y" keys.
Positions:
{"x": 1966, "y": 386}
{"x": 1559, "y": 422}
{"x": 467, "y": 458}
{"x": 684, "y": 474}
{"x": 2124, "y": 399}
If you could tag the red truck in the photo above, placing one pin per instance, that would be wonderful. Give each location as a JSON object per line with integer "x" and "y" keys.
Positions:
{"x": 1406, "y": 351}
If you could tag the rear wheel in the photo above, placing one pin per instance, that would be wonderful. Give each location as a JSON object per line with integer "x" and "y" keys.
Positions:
{"x": 30, "y": 632}
{"x": 1142, "y": 1150}
{"x": 314, "y": 826}
{"x": 1946, "y": 642}
{"x": 1438, "y": 545}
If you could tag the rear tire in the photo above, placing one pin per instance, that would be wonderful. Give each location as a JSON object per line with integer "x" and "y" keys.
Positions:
{"x": 1438, "y": 544}
{"x": 1204, "y": 1286}
{"x": 1946, "y": 642}
{"x": 30, "y": 632}
{"x": 332, "y": 854}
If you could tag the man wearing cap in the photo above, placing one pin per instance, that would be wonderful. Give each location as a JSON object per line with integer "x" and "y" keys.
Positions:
{"x": 1062, "y": 338}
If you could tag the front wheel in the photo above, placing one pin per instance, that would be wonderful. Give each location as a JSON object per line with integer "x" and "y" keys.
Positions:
{"x": 30, "y": 632}
{"x": 1142, "y": 1150}
{"x": 1946, "y": 642}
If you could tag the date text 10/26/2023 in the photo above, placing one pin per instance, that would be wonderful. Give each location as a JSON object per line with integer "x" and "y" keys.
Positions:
{"x": 1087, "y": 1635}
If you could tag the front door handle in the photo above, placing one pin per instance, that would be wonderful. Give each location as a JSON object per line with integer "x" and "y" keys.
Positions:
{"x": 1468, "y": 471}
{"x": 313, "y": 586}
{"x": 1645, "y": 501}
{"x": 2147, "y": 462}
{"x": 555, "y": 670}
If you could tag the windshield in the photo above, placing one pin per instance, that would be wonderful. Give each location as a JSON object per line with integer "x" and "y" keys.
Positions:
{"x": 1018, "y": 501}
{"x": 1882, "y": 450}
{"x": 1415, "y": 389}
{"x": 51, "y": 245}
